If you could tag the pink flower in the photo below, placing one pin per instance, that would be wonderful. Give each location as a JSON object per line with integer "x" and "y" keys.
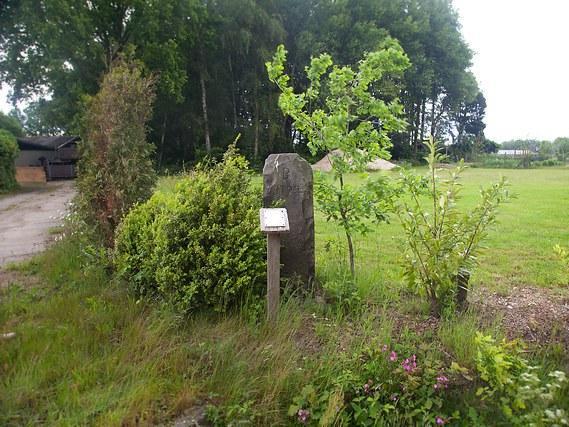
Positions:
{"x": 393, "y": 356}
{"x": 303, "y": 415}
{"x": 384, "y": 348}
{"x": 440, "y": 421}
{"x": 367, "y": 387}
{"x": 410, "y": 364}
{"x": 442, "y": 382}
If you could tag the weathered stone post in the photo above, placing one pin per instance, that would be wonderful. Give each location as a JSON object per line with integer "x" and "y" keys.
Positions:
{"x": 288, "y": 178}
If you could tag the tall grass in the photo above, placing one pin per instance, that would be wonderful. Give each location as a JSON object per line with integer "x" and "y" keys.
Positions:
{"x": 87, "y": 353}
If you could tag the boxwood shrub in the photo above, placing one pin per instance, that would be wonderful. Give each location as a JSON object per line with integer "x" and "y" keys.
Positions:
{"x": 199, "y": 246}
{"x": 8, "y": 153}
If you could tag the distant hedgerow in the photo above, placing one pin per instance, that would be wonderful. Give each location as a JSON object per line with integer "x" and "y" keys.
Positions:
{"x": 200, "y": 245}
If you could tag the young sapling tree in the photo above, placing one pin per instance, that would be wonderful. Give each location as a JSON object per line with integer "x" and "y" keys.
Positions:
{"x": 349, "y": 114}
{"x": 442, "y": 242}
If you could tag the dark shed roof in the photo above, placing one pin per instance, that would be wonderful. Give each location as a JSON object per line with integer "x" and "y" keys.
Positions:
{"x": 46, "y": 143}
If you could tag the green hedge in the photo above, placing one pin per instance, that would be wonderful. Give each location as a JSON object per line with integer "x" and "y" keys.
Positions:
{"x": 199, "y": 246}
{"x": 8, "y": 153}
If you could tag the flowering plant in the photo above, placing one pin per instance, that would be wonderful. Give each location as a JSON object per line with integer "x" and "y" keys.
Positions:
{"x": 378, "y": 385}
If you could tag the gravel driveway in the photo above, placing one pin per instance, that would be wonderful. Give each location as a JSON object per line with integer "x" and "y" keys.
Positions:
{"x": 27, "y": 217}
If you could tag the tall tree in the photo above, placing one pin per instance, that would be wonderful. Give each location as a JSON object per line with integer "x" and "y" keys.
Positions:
{"x": 209, "y": 55}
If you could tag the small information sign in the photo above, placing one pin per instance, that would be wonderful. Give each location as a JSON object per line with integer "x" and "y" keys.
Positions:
{"x": 274, "y": 220}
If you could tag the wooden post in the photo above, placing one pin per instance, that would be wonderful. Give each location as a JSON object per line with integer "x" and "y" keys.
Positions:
{"x": 273, "y": 222}
{"x": 273, "y": 275}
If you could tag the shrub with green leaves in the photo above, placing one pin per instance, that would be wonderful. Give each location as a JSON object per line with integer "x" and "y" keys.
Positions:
{"x": 443, "y": 242}
{"x": 8, "y": 154}
{"x": 511, "y": 382}
{"x": 116, "y": 170}
{"x": 200, "y": 245}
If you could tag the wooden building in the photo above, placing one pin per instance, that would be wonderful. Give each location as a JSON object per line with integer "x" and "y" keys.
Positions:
{"x": 44, "y": 158}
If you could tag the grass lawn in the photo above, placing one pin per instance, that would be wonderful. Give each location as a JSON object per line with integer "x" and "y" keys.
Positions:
{"x": 87, "y": 353}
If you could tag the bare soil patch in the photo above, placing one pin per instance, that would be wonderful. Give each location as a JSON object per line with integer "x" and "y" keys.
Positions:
{"x": 536, "y": 315}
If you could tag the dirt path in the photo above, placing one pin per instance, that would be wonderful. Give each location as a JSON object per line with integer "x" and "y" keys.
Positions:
{"x": 27, "y": 217}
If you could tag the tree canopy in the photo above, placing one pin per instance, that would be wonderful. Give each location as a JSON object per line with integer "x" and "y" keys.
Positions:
{"x": 209, "y": 58}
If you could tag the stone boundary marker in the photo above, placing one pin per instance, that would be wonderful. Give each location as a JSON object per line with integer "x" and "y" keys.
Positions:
{"x": 288, "y": 183}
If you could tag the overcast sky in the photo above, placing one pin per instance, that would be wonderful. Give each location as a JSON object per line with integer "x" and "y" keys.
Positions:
{"x": 521, "y": 62}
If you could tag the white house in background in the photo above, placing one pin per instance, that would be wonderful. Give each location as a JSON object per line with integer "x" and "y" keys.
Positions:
{"x": 516, "y": 153}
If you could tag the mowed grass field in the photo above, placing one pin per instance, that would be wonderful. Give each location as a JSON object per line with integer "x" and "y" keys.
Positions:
{"x": 518, "y": 250}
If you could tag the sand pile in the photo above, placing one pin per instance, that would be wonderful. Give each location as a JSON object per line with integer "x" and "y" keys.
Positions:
{"x": 324, "y": 164}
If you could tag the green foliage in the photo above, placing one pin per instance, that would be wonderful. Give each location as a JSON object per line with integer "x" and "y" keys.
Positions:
{"x": 115, "y": 170}
{"x": 348, "y": 115}
{"x": 8, "y": 153}
{"x": 200, "y": 245}
{"x": 69, "y": 45}
{"x": 505, "y": 162}
{"x": 345, "y": 295}
{"x": 514, "y": 384}
{"x": 375, "y": 386}
{"x": 563, "y": 256}
{"x": 442, "y": 242}
{"x": 10, "y": 124}
{"x": 561, "y": 146}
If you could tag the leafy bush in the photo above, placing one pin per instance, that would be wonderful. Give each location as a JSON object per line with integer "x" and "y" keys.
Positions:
{"x": 442, "y": 243}
{"x": 10, "y": 124}
{"x": 201, "y": 244}
{"x": 8, "y": 153}
{"x": 524, "y": 398}
{"x": 115, "y": 170}
{"x": 547, "y": 163}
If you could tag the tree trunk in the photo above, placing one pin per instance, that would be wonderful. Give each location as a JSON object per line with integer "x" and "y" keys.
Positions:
{"x": 418, "y": 124}
{"x": 348, "y": 235}
{"x": 204, "y": 109}
{"x": 433, "y": 120}
{"x": 462, "y": 279}
{"x": 351, "y": 254}
{"x": 257, "y": 112}
{"x": 423, "y": 119}
{"x": 162, "y": 137}
{"x": 270, "y": 124}
{"x": 234, "y": 102}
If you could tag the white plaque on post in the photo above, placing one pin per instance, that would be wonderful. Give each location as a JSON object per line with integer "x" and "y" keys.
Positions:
{"x": 274, "y": 220}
